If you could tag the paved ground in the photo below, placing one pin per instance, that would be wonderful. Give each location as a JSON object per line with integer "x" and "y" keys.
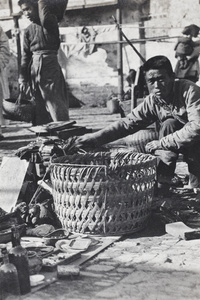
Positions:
{"x": 148, "y": 265}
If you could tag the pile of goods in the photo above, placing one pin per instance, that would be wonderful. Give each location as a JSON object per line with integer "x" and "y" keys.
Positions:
{"x": 69, "y": 200}
{"x": 25, "y": 262}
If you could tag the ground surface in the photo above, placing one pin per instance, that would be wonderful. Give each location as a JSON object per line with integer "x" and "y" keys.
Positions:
{"x": 150, "y": 264}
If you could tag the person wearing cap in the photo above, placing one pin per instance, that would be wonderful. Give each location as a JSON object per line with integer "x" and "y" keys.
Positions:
{"x": 175, "y": 104}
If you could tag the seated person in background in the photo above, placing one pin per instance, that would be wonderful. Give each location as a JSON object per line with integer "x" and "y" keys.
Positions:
{"x": 140, "y": 88}
{"x": 175, "y": 104}
{"x": 130, "y": 79}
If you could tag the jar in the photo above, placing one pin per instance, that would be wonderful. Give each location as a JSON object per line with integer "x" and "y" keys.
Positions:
{"x": 113, "y": 106}
{"x": 34, "y": 262}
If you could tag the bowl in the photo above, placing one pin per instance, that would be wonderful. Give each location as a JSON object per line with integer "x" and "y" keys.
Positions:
{"x": 5, "y": 236}
{"x": 51, "y": 238}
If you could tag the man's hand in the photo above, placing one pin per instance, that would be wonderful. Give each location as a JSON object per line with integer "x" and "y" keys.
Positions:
{"x": 85, "y": 141}
{"x": 75, "y": 143}
{"x": 152, "y": 146}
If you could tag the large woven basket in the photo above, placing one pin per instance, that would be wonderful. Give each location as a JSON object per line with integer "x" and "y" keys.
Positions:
{"x": 104, "y": 193}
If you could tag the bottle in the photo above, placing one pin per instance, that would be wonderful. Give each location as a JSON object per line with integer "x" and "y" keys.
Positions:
{"x": 19, "y": 257}
{"x": 9, "y": 277}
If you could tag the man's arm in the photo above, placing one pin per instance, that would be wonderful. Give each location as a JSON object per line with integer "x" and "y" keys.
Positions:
{"x": 26, "y": 58}
{"x": 47, "y": 19}
{"x": 141, "y": 117}
{"x": 195, "y": 53}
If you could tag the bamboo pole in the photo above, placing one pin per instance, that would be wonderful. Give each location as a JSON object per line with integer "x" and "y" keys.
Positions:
{"x": 119, "y": 56}
{"x": 17, "y": 34}
{"x": 10, "y": 7}
{"x": 143, "y": 42}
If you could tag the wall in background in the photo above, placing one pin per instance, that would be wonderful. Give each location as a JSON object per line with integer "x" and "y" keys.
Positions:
{"x": 91, "y": 69}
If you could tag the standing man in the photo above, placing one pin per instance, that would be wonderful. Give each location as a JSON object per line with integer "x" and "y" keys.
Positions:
{"x": 4, "y": 87}
{"x": 175, "y": 104}
{"x": 40, "y": 69}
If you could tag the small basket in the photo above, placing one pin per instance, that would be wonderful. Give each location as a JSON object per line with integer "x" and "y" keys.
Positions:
{"x": 104, "y": 193}
{"x": 18, "y": 109}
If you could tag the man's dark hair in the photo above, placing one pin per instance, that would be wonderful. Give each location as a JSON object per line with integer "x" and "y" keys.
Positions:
{"x": 32, "y": 2}
{"x": 157, "y": 63}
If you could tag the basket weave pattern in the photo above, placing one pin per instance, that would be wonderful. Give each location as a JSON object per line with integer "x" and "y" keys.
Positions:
{"x": 111, "y": 194}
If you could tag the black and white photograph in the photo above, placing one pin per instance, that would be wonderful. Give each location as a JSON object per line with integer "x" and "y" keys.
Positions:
{"x": 99, "y": 149}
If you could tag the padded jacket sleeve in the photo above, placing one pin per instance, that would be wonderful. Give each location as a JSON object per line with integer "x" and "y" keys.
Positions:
{"x": 142, "y": 116}
{"x": 190, "y": 132}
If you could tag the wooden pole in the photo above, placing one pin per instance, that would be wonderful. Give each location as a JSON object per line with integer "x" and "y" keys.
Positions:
{"x": 142, "y": 43}
{"x": 17, "y": 34}
{"x": 10, "y": 7}
{"x": 119, "y": 56}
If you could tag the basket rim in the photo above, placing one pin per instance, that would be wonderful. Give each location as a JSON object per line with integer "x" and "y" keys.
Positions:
{"x": 137, "y": 157}
{"x": 78, "y": 165}
{"x": 106, "y": 167}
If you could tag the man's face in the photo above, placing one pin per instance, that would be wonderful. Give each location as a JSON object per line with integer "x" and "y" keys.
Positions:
{"x": 159, "y": 83}
{"x": 30, "y": 11}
